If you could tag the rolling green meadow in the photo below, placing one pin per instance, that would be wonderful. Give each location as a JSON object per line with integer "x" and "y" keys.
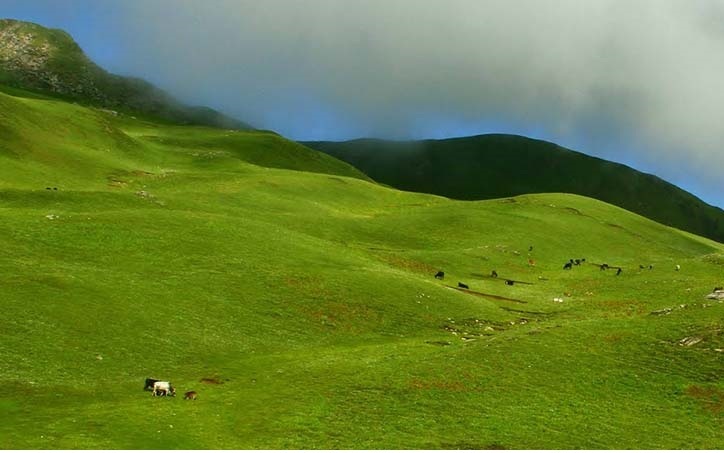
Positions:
{"x": 302, "y": 294}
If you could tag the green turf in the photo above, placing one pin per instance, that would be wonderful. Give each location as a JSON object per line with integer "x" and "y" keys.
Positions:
{"x": 185, "y": 253}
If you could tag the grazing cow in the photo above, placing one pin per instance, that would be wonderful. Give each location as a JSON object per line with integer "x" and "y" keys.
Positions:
{"x": 47, "y": 188}
{"x": 641, "y": 266}
{"x": 463, "y": 285}
{"x": 583, "y": 260}
{"x": 494, "y": 274}
{"x": 530, "y": 249}
{"x": 163, "y": 388}
{"x": 190, "y": 395}
{"x": 509, "y": 282}
{"x": 440, "y": 275}
{"x": 618, "y": 272}
{"x": 651, "y": 266}
{"x": 55, "y": 188}
{"x": 678, "y": 268}
{"x": 577, "y": 262}
{"x": 604, "y": 267}
{"x": 149, "y": 383}
{"x": 568, "y": 266}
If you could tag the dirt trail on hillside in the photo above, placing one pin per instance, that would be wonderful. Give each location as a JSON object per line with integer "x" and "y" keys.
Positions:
{"x": 491, "y": 296}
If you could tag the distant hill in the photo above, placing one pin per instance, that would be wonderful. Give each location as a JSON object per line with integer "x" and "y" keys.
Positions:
{"x": 498, "y": 165}
{"x": 50, "y": 61}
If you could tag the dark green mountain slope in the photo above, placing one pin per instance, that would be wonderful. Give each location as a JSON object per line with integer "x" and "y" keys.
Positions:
{"x": 497, "y": 165}
{"x": 50, "y": 61}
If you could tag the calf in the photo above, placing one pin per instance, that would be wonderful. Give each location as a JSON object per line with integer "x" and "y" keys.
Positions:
{"x": 190, "y": 395}
{"x": 568, "y": 266}
{"x": 440, "y": 275}
{"x": 463, "y": 285}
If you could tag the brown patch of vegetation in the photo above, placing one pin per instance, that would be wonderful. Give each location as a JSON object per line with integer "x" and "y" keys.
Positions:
{"x": 408, "y": 264}
{"x": 340, "y": 315}
{"x": 613, "y": 337}
{"x": 211, "y": 380}
{"x": 438, "y": 384}
{"x": 710, "y": 397}
{"x": 314, "y": 285}
{"x": 628, "y": 307}
{"x": 467, "y": 446}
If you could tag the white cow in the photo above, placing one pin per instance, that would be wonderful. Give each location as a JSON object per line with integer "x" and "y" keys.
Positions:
{"x": 163, "y": 387}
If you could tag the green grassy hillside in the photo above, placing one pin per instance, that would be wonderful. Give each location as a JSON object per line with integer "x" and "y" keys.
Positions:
{"x": 50, "y": 61}
{"x": 303, "y": 295}
{"x": 496, "y": 165}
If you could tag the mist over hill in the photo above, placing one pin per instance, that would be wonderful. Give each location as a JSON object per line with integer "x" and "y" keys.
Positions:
{"x": 497, "y": 165}
{"x": 50, "y": 61}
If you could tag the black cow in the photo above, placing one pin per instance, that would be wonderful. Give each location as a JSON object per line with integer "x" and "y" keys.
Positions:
{"x": 55, "y": 188}
{"x": 440, "y": 275}
{"x": 577, "y": 262}
{"x": 604, "y": 267}
{"x": 463, "y": 285}
{"x": 509, "y": 282}
{"x": 568, "y": 266}
{"x": 149, "y": 383}
{"x": 641, "y": 266}
{"x": 618, "y": 272}
{"x": 494, "y": 274}
{"x": 530, "y": 249}
{"x": 48, "y": 188}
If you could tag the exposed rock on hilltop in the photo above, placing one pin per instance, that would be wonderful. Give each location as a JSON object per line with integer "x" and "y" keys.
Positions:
{"x": 47, "y": 60}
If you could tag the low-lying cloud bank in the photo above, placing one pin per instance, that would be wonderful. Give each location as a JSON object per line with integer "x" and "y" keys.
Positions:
{"x": 607, "y": 76}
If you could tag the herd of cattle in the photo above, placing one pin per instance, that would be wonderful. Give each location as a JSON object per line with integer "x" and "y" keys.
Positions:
{"x": 164, "y": 388}
{"x": 440, "y": 275}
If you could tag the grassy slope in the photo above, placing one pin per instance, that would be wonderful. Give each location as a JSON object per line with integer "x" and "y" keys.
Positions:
{"x": 494, "y": 166}
{"x": 175, "y": 257}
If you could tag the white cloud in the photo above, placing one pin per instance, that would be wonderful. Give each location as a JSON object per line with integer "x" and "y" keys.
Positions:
{"x": 649, "y": 70}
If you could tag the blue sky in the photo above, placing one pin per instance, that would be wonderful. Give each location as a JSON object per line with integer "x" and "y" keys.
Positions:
{"x": 634, "y": 83}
